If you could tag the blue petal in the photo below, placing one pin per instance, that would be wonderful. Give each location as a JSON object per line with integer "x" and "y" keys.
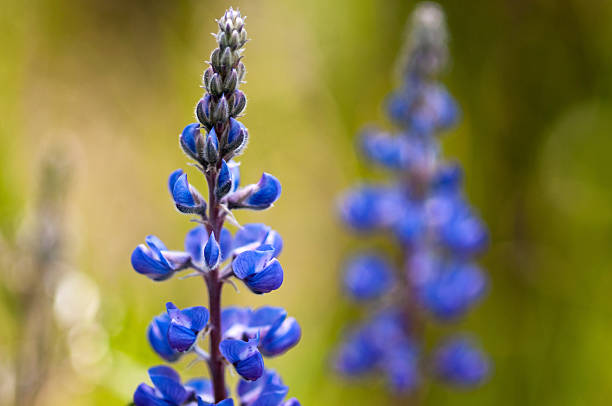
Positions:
{"x": 268, "y": 388}
{"x": 143, "y": 263}
{"x": 250, "y": 236}
{"x": 156, "y": 245}
{"x": 224, "y": 180}
{"x": 197, "y": 316}
{"x": 251, "y": 368}
{"x": 250, "y": 262}
{"x": 168, "y": 382}
{"x": 147, "y": 396}
{"x": 267, "y": 316}
{"x": 202, "y": 387}
{"x": 182, "y": 192}
{"x": 157, "y": 334}
{"x": 292, "y": 402}
{"x": 225, "y": 242}
{"x": 237, "y": 350}
{"x": 181, "y": 338}
{"x": 368, "y": 277}
{"x": 235, "y": 321}
{"x": 269, "y": 279}
{"x": 188, "y": 138}
{"x": 173, "y": 178}
{"x": 194, "y": 242}
{"x": 276, "y": 241}
{"x": 234, "y": 130}
{"x": 281, "y": 338}
{"x": 235, "y": 169}
{"x": 268, "y": 191}
{"x": 212, "y": 252}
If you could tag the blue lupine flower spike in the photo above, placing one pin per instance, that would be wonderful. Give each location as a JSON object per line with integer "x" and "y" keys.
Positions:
{"x": 237, "y": 337}
{"x": 424, "y": 211}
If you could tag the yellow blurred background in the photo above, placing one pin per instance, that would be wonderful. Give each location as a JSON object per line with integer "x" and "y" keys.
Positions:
{"x": 111, "y": 83}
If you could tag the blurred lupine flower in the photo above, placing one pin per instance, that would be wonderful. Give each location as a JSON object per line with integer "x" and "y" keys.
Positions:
{"x": 423, "y": 209}
{"x": 459, "y": 362}
{"x": 368, "y": 276}
{"x": 236, "y": 336}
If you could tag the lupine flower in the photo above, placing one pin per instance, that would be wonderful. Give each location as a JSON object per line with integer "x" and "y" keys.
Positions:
{"x": 186, "y": 198}
{"x": 168, "y": 389}
{"x": 368, "y": 276}
{"x": 155, "y": 261}
{"x": 459, "y": 362}
{"x": 259, "y": 196}
{"x": 423, "y": 209}
{"x": 238, "y": 336}
{"x": 268, "y": 390}
{"x": 244, "y": 356}
{"x": 185, "y": 325}
{"x": 157, "y": 333}
{"x": 259, "y": 270}
{"x": 196, "y": 240}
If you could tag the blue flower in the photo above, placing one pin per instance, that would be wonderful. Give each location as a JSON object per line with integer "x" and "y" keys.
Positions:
{"x": 155, "y": 261}
{"x": 157, "y": 333}
{"x": 212, "y": 252}
{"x": 244, "y": 356}
{"x": 196, "y": 240}
{"x": 388, "y": 151}
{"x": 224, "y": 180}
{"x": 367, "y": 208}
{"x": 259, "y": 270}
{"x": 459, "y": 362}
{"x": 401, "y": 366}
{"x": 368, "y": 276}
{"x": 185, "y": 325}
{"x": 268, "y": 390}
{"x": 189, "y": 139}
{"x": 278, "y": 333}
{"x": 453, "y": 290}
{"x": 186, "y": 198}
{"x": 357, "y": 354}
{"x": 254, "y": 236}
{"x": 464, "y": 233}
{"x": 259, "y": 196}
{"x": 237, "y": 137}
{"x": 167, "y": 390}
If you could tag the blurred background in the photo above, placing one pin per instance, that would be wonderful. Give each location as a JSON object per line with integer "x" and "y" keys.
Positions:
{"x": 101, "y": 89}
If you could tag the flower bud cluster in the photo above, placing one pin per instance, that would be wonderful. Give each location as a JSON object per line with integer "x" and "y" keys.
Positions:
{"x": 423, "y": 209}
{"x": 239, "y": 338}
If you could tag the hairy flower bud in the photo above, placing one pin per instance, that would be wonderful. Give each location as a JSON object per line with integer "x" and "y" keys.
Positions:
{"x": 221, "y": 112}
{"x": 216, "y": 85}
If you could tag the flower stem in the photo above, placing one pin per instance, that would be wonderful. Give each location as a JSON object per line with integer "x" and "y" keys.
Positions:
{"x": 215, "y": 286}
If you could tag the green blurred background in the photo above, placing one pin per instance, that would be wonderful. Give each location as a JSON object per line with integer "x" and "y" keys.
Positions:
{"x": 113, "y": 82}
